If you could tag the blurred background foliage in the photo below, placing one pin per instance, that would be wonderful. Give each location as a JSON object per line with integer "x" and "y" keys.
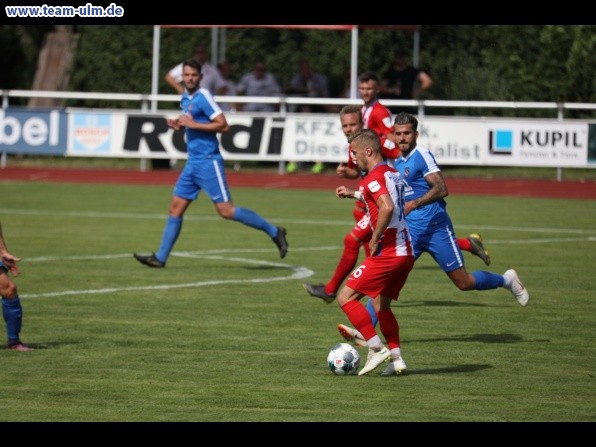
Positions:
{"x": 541, "y": 63}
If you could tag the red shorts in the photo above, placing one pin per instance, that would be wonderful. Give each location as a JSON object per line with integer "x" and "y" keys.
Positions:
{"x": 381, "y": 275}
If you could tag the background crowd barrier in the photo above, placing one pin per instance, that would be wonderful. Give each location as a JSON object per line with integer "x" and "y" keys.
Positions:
{"x": 282, "y": 136}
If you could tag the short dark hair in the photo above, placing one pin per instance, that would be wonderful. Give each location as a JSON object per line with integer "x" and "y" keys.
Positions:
{"x": 406, "y": 118}
{"x": 192, "y": 63}
{"x": 368, "y": 76}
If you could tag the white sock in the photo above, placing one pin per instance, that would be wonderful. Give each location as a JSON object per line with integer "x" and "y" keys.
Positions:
{"x": 375, "y": 343}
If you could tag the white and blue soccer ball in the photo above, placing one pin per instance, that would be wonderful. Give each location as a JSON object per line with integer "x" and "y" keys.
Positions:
{"x": 343, "y": 359}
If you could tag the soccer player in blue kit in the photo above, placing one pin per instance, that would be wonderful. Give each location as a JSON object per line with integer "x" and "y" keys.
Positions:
{"x": 429, "y": 224}
{"x": 204, "y": 170}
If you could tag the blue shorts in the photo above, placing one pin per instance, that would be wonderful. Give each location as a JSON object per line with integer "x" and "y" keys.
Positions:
{"x": 205, "y": 174}
{"x": 440, "y": 242}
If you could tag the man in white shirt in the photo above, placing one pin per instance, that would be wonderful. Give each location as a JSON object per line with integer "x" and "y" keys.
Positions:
{"x": 259, "y": 82}
{"x": 211, "y": 79}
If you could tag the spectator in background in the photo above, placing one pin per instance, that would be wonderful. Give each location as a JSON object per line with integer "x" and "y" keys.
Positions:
{"x": 308, "y": 84}
{"x": 403, "y": 81}
{"x": 259, "y": 82}
{"x": 211, "y": 80}
{"x": 228, "y": 86}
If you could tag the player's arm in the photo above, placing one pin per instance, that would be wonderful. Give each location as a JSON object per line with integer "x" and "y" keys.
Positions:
{"x": 424, "y": 83}
{"x": 389, "y": 149}
{"x": 385, "y": 128}
{"x": 385, "y": 206}
{"x": 344, "y": 170}
{"x": 343, "y": 192}
{"x": 217, "y": 124}
{"x": 437, "y": 191}
{"x": 173, "y": 83}
{"x": 391, "y": 137}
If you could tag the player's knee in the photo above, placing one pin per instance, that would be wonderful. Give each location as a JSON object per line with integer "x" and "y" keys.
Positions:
{"x": 225, "y": 211}
{"x": 226, "y": 215}
{"x": 464, "y": 284}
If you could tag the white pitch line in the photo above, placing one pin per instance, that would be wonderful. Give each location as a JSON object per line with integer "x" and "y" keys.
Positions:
{"x": 182, "y": 254}
{"x": 213, "y": 218}
{"x": 298, "y": 272}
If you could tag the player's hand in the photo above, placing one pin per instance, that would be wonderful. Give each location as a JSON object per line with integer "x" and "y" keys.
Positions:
{"x": 10, "y": 262}
{"x": 343, "y": 191}
{"x": 341, "y": 170}
{"x": 174, "y": 123}
{"x": 373, "y": 244}
{"x": 185, "y": 120}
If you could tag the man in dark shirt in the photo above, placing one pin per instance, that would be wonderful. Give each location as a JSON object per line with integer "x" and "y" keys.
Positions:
{"x": 403, "y": 81}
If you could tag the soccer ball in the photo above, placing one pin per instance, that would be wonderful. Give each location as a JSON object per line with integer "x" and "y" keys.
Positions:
{"x": 343, "y": 359}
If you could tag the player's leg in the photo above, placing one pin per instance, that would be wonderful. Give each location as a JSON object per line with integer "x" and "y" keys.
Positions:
{"x": 216, "y": 186}
{"x": 357, "y": 238}
{"x": 442, "y": 247}
{"x": 473, "y": 244}
{"x": 12, "y": 311}
{"x": 352, "y": 334}
{"x": 347, "y": 262}
{"x": 387, "y": 319}
{"x": 178, "y": 207}
{"x": 185, "y": 191}
{"x": 368, "y": 279}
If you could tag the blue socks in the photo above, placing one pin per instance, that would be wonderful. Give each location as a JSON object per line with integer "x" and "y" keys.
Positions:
{"x": 252, "y": 219}
{"x": 242, "y": 215}
{"x": 487, "y": 280}
{"x": 12, "y": 311}
{"x": 371, "y": 311}
{"x": 484, "y": 281}
{"x": 170, "y": 234}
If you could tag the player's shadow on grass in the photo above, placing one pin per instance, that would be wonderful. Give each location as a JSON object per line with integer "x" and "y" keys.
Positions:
{"x": 476, "y": 338}
{"x": 448, "y": 370}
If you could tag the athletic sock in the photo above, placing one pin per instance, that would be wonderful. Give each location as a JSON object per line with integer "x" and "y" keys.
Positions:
{"x": 170, "y": 234}
{"x": 359, "y": 318}
{"x": 371, "y": 310}
{"x": 346, "y": 264}
{"x": 389, "y": 328}
{"x": 250, "y": 218}
{"x": 12, "y": 311}
{"x": 487, "y": 280}
{"x": 464, "y": 244}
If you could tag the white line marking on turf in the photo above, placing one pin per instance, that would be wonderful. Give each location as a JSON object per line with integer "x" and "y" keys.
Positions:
{"x": 182, "y": 254}
{"x": 298, "y": 272}
{"x": 212, "y": 218}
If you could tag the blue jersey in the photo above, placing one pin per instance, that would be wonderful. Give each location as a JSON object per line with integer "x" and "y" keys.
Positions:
{"x": 202, "y": 108}
{"x": 413, "y": 169}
